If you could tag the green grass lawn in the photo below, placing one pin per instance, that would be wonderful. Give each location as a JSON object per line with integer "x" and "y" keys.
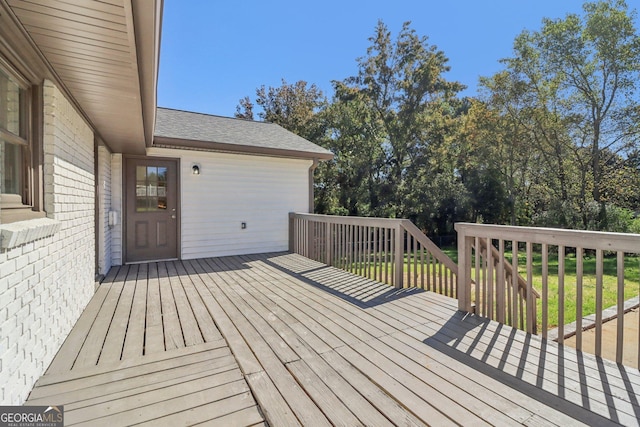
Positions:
{"x": 610, "y": 282}
{"x": 610, "y": 285}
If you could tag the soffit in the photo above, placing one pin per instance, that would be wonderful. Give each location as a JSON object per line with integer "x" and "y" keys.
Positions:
{"x": 92, "y": 49}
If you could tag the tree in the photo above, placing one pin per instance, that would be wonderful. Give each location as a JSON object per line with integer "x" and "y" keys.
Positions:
{"x": 244, "y": 110}
{"x": 359, "y": 169}
{"x": 582, "y": 77}
{"x": 401, "y": 82}
{"x": 493, "y": 162}
{"x": 532, "y": 145}
{"x": 295, "y": 107}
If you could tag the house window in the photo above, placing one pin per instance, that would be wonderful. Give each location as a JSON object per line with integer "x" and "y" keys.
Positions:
{"x": 12, "y": 134}
{"x": 17, "y": 198}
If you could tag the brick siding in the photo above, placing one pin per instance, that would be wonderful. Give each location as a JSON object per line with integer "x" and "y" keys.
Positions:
{"x": 45, "y": 284}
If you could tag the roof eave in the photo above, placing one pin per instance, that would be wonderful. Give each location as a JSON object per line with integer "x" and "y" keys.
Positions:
{"x": 118, "y": 100}
{"x": 148, "y": 30}
{"x": 167, "y": 142}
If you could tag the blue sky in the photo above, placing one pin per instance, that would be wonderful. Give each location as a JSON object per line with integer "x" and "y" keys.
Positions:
{"x": 215, "y": 52}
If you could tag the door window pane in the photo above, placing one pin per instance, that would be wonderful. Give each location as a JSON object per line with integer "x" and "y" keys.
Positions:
{"x": 151, "y": 188}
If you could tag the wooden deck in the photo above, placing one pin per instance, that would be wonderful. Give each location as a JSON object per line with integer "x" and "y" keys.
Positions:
{"x": 280, "y": 339}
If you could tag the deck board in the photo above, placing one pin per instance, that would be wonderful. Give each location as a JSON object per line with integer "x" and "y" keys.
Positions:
{"x": 188, "y": 323}
{"x": 241, "y": 349}
{"x": 270, "y": 400}
{"x": 337, "y": 412}
{"x": 154, "y": 333}
{"x": 518, "y": 362}
{"x": 205, "y": 323}
{"x": 114, "y": 341}
{"x": 173, "y": 337}
{"x": 366, "y": 412}
{"x": 297, "y": 399}
{"x": 279, "y": 339}
{"x": 261, "y": 329}
{"x": 134, "y": 341}
{"x": 102, "y": 378}
{"x": 92, "y": 346}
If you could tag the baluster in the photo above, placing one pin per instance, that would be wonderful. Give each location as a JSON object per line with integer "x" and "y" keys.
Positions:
{"x": 375, "y": 253}
{"x": 361, "y": 247}
{"x": 434, "y": 273}
{"x": 409, "y": 261}
{"x": 428, "y": 272}
{"x": 300, "y": 237}
{"x": 530, "y": 297}
{"x": 620, "y": 331}
{"x": 393, "y": 255}
{"x": 421, "y": 266}
{"x": 415, "y": 263}
{"x": 545, "y": 289}
{"x": 599, "y": 274}
{"x": 361, "y": 250}
{"x": 560, "y": 294}
{"x": 368, "y": 259}
{"x": 343, "y": 246}
{"x": 454, "y": 290}
{"x": 579, "y": 310}
{"x": 386, "y": 255}
{"x": 363, "y": 243}
{"x": 490, "y": 293}
{"x": 348, "y": 248}
{"x": 500, "y": 283}
{"x": 514, "y": 281}
{"x": 479, "y": 291}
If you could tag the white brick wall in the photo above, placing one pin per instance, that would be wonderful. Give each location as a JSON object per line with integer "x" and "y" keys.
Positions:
{"x": 45, "y": 284}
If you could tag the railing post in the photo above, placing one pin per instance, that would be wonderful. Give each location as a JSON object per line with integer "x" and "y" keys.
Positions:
{"x": 399, "y": 256}
{"x": 464, "y": 269}
{"x": 292, "y": 236}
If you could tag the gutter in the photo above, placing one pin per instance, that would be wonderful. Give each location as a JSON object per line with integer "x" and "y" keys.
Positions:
{"x": 312, "y": 169}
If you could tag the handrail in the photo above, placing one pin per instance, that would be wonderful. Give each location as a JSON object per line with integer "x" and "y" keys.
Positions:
{"x": 606, "y": 241}
{"x": 429, "y": 245}
{"x": 566, "y": 290}
{"x": 349, "y": 220}
{"x": 522, "y": 283}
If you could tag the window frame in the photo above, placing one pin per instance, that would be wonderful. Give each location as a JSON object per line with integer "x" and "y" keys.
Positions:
{"x": 31, "y": 203}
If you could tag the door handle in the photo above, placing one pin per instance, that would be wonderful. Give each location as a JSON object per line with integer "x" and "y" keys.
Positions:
{"x": 173, "y": 216}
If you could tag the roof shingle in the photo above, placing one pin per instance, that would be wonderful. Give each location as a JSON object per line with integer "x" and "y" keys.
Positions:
{"x": 225, "y": 133}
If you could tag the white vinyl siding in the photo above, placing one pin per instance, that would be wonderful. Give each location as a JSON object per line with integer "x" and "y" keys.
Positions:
{"x": 103, "y": 192}
{"x": 232, "y": 189}
{"x": 117, "y": 206}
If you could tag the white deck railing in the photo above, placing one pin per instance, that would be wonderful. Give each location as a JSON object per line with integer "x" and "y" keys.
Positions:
{"x": 483, "y": 287}
{"x": 392, "y": 251}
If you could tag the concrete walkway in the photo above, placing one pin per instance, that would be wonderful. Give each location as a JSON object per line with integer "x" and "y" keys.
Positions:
{"x": 609, "y": 333}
